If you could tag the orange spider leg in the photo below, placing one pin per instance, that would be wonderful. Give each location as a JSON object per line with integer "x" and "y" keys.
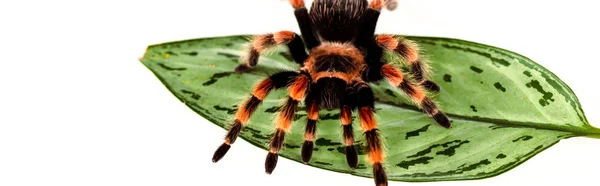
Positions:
{"x": 297, "y": 91}
{"x": 368, "y": 124}
{"x": 312, "y": 110}
{"x": 418, "y": 95}
{"x": 409, "y": 50}
{"x": 261, "y": 43}
{"x": 247, "y": 108}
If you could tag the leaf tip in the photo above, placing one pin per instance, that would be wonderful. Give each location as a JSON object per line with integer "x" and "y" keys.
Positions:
{"x": 143, "y": 55}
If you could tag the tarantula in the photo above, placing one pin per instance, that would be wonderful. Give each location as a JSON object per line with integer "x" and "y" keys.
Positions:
{"x": 344, "y": 56}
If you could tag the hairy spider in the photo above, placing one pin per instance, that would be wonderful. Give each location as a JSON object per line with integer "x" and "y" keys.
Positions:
{"x": 344, "y": 56}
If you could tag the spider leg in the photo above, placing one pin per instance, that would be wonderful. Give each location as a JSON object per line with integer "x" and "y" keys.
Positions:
{"x": 369, "y": 22}
{"x": 419, "y": 96}
{"x": 348, "y": 105}
{"x": 248, "y": 107}
{"x": 410, "y": 52}
{"x": 297, "y": 92}
{"x": 406, "y": 48}
{"x": 305, "y": 24}
{"x": 312, "y": 110}
{"x": 368, "y": 124}
{"x": 260, "y": 43}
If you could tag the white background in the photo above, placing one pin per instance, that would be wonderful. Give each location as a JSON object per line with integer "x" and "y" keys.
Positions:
{"x": 77, "y": 108}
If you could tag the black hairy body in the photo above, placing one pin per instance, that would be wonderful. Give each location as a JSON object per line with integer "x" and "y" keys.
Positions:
{"x": 344, "y": 56}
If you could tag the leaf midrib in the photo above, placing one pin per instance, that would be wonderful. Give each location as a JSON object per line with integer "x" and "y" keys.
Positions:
{"x": 579, "y": 131}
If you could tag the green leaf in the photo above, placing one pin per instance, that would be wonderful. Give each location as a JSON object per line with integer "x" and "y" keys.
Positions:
{"x": 505, "y": 108}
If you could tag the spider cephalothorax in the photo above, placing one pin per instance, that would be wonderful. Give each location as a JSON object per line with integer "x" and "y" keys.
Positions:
{"x": 344, "y": 56}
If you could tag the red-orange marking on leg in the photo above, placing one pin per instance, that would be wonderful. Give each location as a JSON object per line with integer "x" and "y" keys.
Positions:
{"x": 376, "y": 152}
{"x": 393, "y": 75}
{"x": 262, "y": 42}
{"x": 283, "y": 37}
{"x": 313, "y": 111}
{"x": 346, "y": 115}
{"x": 284, "y": 122}
{"x": 297, "y": 3}
{"x": 419, "y": 96}
{"x": 387, "y": 41}
{"x": 298, "y": 89}
{"x": 262, "y": 90}
{"x": 349, "y": 141}
{"x": 367, "y": 119}
{"x": 286, "y": 115}
{"x": 377, "y": 4}
{"x": 416, "y": 93}
{"x": 409, "y": 50}
{"x": 309, "y": 136}
{"x": 376, "y": 155}
{"x": 242, "y": 115}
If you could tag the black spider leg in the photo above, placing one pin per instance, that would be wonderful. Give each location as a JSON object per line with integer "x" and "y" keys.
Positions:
{"x": 372, "y": 74}
{"x": 348, "y": 105}
{"x": 247, "y": 108}
{"x": 297, "y": 91}
{"x": 312, "y": 113}
{"x": 305, "y": 24}
{"x": 366, "y": 31}
{"x": 260, "y": 43}
{"x": 366, "y": 41}
{"x": 408, "y": 50}
{"x": 374, "y": 145}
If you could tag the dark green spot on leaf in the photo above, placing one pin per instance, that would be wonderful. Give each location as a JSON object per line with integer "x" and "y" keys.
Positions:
{"x": 546, "y": 96}
{"x": 171, "y": 53}
{"x": 291, "y": 146}
{"x": 326, "y": 142}
{"x": 215, "y": 78}
{"x": 322, "y": 163}
{"x": 390, "y": 92}
{"x": 170, "y": 68}
{"x": 475, "y": 69}
{"x": 330, "y": 116}
{"x": 500, "y": 156}
{"x": 193, "y": 94}
{"x": 447, "y": 78}
{"x": 194, "y": 53}
{"x": 473, "y": 108}
{"x": 449, "y": 148}
{"x": 499, "y": 87}
{"x": 417, "y": 132}
{"x": 523, "y": 138}
{"x": 229, "y": 110}
{"x": 421, "y": 160}
{"x": 232, "y": 57}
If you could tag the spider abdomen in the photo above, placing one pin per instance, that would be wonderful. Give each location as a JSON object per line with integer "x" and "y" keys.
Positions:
{"x": 337, "y": 20}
